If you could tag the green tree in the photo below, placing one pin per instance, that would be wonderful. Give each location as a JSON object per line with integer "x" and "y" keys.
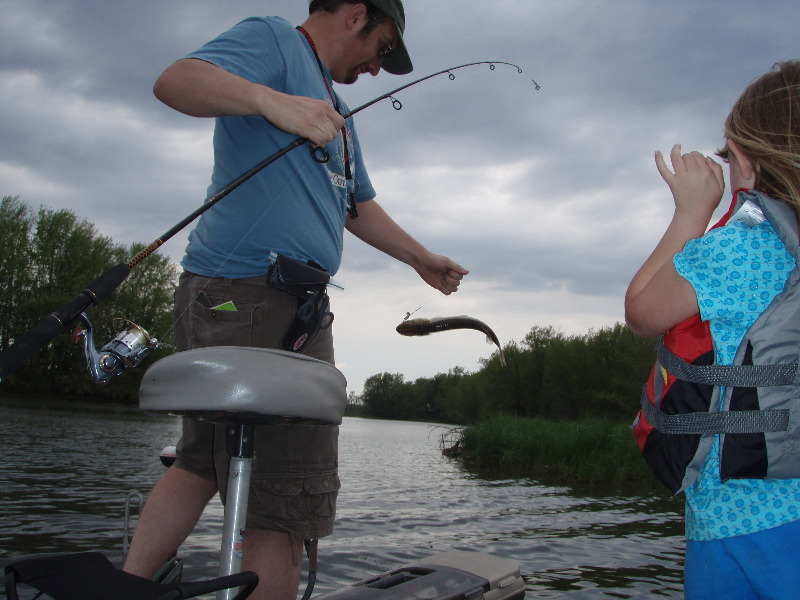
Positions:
{"x": 506, "y": 388}
{"x": 383, "y": 396}
{"x": 445, "y": 383}
{"x": 549, "y": 375}
{"x": 16, "y": 224}
{"x": 54, "y": 256}
{"x": 539, "y": 342}
{"x": 466, "y": 401}
{"x": 619, "y": 364}
{"x": 354, "y": 407}
{"x": 66, "y": 253}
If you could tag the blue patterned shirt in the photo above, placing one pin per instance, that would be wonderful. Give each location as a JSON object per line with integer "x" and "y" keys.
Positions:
{"x": 736, "y": 271}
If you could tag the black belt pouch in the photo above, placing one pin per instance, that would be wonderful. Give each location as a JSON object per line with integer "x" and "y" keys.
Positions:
{"x": 309, "y": 285}
{"x": 299, "y": 279}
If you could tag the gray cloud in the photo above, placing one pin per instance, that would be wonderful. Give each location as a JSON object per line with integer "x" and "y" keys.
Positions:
{"x": 549, "y": 197}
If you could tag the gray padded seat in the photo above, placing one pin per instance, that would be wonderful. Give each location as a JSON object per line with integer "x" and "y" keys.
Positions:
{"x": 233, "y": 384}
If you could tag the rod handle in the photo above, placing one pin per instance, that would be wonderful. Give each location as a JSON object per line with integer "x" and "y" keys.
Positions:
{"x": 15, "y": 356}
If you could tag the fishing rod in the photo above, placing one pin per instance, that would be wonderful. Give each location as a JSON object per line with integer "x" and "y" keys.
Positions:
{"x": 319, "y": 153}
{"x": 130, "y": 346}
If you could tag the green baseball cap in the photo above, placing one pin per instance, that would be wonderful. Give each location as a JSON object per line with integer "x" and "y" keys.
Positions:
{"x": 398, "y": 62}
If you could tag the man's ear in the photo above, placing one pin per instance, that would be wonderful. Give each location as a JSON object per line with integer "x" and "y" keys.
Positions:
{"x": 356, "y": 16}
{"x": 746, "y": 166}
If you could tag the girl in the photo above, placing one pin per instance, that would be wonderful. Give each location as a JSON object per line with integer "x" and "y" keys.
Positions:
{"x": 741, "y": 533}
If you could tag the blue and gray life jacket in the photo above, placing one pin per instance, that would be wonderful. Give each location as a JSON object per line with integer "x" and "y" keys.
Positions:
{"x": 758, "y": 418}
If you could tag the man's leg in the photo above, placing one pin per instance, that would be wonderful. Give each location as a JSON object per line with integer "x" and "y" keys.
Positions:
{"x": 170, "y": 513}
{"x": 277, "y": 558}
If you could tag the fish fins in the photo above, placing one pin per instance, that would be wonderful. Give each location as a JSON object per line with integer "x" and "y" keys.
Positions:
{"x": 489, "y": 340}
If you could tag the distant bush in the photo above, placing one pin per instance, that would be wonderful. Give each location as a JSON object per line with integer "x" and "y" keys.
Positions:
{"x": 592, "y": 452}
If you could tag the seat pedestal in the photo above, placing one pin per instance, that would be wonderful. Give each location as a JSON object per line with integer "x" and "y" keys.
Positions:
{"x": 240, "y": 387}
{"x": 241, "y": 437}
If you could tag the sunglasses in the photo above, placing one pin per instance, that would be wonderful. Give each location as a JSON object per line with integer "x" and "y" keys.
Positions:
{"x": 387, "y": 50}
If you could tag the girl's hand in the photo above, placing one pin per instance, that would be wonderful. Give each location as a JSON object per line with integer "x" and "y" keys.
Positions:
{"x": 697, "y": 183}
{"x": 657, "y": 297}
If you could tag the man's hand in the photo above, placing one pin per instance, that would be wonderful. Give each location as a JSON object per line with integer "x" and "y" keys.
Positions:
{"x": 306, "y": 117}
{"x": 441, "y": 273}
{"x": 200, "y": 89}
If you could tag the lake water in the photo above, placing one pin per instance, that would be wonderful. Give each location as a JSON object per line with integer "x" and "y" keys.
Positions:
{"x": 66, "y": 468}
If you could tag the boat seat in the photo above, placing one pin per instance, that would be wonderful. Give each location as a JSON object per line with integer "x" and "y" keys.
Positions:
{"x": 235, "y": 384}
{"x": 91, "y": 576}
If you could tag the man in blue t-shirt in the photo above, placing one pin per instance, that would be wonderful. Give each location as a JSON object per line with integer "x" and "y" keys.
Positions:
{"x": 266, "y": 83}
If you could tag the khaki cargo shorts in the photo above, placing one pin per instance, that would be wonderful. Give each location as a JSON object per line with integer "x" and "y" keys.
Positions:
{"x": 294, "y": 483}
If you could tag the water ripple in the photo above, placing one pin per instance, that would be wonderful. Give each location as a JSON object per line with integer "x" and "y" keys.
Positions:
{"x": 66, "y": 468}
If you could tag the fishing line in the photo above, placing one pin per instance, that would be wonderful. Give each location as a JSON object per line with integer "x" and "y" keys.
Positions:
{"x": 15, "y": 356}
{"x": 433, "y": 295}
{"x": 408, "y": 314}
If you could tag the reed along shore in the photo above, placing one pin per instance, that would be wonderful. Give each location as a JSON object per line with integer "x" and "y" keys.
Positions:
{"x": 592, "y": 452}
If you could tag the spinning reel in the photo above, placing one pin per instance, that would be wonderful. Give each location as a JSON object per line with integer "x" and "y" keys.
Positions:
{"x": 125, "y": 351}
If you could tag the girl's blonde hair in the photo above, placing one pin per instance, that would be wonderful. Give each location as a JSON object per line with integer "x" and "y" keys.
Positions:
{"x": 765, "y": 123}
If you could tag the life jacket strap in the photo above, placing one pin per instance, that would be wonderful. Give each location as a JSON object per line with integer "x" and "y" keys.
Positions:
{"x": 727, "y": 375}
{"x": 731, "y": 421}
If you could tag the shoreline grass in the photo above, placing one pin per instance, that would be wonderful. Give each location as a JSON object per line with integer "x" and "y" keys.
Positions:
{"x": 591, "y": 452}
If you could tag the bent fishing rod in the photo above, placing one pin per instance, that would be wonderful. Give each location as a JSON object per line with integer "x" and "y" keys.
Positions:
{"x": 130, "y": 346}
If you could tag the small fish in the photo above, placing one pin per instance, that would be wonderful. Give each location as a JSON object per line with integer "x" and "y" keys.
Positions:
{"x": 414, "y": 327}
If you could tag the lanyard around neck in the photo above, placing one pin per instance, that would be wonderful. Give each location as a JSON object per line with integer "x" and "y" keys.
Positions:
{"x": 351, "y": 204}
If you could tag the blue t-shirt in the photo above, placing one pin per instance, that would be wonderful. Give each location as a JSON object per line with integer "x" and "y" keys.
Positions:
{"x": 295, "y": 206}
{"x": 736, "y": 271}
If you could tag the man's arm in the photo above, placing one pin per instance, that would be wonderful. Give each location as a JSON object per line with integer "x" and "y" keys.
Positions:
{"x": 200, "y": 89}
{"x": 377, "y": 229}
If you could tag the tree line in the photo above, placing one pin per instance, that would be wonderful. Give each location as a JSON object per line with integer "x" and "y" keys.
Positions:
{"x": 548, "y": 374}
{"x": 46, "y": 258}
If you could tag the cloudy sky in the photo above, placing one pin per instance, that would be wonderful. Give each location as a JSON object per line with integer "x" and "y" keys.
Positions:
{"x": 549, "y": 197}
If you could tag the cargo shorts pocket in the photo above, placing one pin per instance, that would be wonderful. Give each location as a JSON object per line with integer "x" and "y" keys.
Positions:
{"x": 292, "y": 500}
{"x": 212, "y": 326}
